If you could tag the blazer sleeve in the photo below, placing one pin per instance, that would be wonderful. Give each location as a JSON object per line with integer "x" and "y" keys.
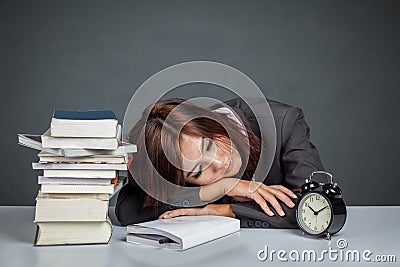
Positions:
{"x": 129, "y": 208}
{"x": 299, "y": 157}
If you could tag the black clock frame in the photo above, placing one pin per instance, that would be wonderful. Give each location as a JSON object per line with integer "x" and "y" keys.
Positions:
{"x": 338, "y": 214}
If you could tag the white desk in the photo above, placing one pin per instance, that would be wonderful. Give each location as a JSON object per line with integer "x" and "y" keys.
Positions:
{"x": 367, "y": 228}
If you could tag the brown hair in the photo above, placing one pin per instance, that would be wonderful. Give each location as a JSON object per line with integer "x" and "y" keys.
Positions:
{"x": 190, "y": 119}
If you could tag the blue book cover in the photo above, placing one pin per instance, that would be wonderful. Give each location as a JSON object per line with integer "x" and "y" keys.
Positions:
{"x": 84, "y": 114}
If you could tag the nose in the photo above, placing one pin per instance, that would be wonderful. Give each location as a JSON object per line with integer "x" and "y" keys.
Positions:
{"x": 215, "y": 160}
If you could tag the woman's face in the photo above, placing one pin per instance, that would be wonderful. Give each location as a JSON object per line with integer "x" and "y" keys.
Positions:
{"x": 206, "y": 161}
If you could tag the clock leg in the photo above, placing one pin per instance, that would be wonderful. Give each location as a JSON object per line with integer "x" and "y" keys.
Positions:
{"x": 328, "y": 236}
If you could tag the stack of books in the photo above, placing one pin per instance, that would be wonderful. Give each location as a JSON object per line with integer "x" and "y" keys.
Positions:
{"x": 84, "y": 165}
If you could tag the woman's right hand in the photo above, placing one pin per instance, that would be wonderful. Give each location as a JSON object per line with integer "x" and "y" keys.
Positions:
{"x": 260, "y": 193}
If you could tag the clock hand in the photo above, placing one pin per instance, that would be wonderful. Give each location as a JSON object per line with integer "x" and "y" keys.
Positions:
{"x": 311, "y": 209}
{"x": 322, "y": 209}
{"x": 315, "y": 213}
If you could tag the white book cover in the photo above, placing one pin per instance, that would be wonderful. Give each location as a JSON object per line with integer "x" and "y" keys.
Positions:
{"x": 81, "y": 173}
{"x": 49, "y": 141}
{"x": 123, "y": 149}
{"x": 51, "y": 158}
{"x": 183, "y": 232}
{"x": 73, "y": 180}
{"x": 34, "y": 141}
{"x": 78, "y": 166}
{"x": 61, "y": 188}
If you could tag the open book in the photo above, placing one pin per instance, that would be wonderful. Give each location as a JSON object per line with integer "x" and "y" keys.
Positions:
{"x": 182, "y": 232}
{"x": 35, "y": 142}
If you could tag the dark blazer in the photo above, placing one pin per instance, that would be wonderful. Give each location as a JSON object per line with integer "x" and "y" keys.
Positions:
{"x": 295, "y": 158}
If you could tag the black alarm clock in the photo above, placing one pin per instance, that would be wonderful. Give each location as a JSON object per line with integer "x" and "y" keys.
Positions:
{"x": 320, "y": 210}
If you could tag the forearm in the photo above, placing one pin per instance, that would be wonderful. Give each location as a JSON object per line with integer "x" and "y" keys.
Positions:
{"x": 219, "y": 188}
{"x": 219, "y": 209}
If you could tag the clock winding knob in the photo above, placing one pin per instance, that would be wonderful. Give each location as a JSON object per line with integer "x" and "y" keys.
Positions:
{"x": 332, "y": 190}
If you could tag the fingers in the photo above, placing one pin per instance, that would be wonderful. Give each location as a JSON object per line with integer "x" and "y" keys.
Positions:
{"x": 282, "y": 196}
{"x": 263, "y": 204}
{"x": 271, "y": 194}
{"x": 270, "y": 198}
{"x": 178, "y": 212}
{"x": 285, "y": 190}
{"x": 263, "y": 194}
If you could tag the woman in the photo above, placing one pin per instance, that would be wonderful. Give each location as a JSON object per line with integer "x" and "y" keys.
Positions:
{"x": 201, "y": 153}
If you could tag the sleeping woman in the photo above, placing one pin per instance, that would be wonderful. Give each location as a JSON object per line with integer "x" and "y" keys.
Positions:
{"x": 215, "y": 151}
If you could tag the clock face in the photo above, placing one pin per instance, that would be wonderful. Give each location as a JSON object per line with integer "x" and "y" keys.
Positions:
{"x": 314, "y": 213}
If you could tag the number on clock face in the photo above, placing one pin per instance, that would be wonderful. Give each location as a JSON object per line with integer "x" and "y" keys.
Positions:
{"x": 314, "y": 213}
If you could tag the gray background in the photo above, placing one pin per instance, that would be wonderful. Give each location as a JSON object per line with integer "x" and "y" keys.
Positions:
{"x": 338, "y": 60}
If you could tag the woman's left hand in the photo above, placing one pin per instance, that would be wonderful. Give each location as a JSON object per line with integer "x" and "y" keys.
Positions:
{"x": 210, "y": 209}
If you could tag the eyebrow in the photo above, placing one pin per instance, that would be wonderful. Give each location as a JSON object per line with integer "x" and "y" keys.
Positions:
{"x": 192, "y": 170}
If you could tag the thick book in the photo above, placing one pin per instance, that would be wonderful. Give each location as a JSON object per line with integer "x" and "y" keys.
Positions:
{"x": 78, "y": 166}
{"x": 35, "y": 142}
{"x": 77, "y": 188}
{"x": 49, "y": 141}
{"x": 183, "y": 232}
{"x": 84, "y": 123}
{"x": 72, "y": 209}
{"x": 73, "y": 195}
{"x": 73, "y": 233}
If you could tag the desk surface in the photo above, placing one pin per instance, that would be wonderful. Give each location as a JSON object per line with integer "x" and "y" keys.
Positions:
{"x": 367, "y": 228}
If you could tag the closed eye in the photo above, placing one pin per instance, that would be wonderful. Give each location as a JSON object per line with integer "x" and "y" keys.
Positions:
{"x": 198, "y": 173}
{"x": 209, "y": 145}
